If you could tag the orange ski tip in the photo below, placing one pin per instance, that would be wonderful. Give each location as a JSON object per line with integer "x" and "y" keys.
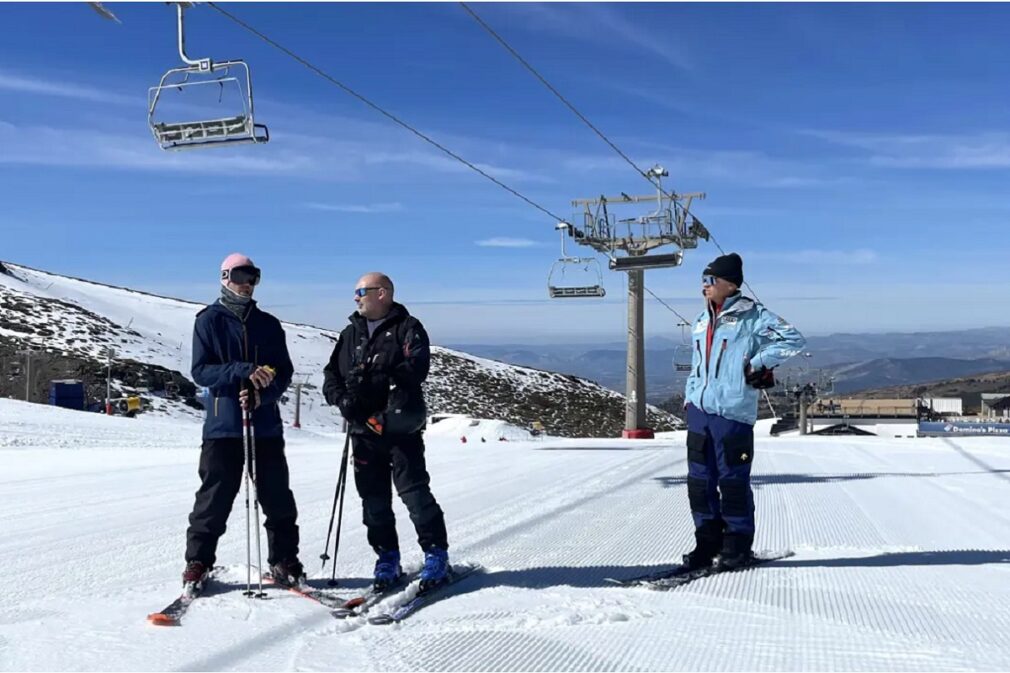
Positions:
{"x": 161, "y": 620}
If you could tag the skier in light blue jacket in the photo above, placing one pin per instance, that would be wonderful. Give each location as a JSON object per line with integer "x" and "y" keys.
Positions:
{"x": 737, "y": 344}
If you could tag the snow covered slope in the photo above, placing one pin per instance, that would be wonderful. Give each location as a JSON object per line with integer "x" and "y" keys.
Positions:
{"x": 902, "y": 563}
{"x": 75, "y": 320}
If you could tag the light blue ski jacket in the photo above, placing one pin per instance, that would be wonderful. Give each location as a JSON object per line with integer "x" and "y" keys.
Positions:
{"x": 745, "y": 332}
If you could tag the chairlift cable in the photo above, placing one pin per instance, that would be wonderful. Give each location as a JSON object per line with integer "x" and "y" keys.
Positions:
{"x": 557, "y": 93}
{"x": 381, "y": 111}
{"x": 582, "y": 117}
{"x": 318, "y": 71}
{"x": 564, "y": 100}
{"x": 656, "y": 297}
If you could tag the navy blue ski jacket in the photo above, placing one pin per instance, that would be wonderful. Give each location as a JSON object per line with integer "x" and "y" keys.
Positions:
{"x": 226, "y": 351}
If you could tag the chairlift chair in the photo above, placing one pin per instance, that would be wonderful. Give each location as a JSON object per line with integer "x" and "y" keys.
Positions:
{"x": 224, "y": 130}
{"x": 683, "y": 354}
{"x": 555, "y": 287}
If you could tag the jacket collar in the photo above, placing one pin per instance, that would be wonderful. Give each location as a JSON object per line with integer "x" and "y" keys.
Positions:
{"x": 396, "y": 313}
{"x": 221, "y": 308}
{"x": 735, "y": 303}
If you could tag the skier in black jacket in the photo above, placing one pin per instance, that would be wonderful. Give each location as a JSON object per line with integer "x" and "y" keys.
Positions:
{"x": 374, "y": 376}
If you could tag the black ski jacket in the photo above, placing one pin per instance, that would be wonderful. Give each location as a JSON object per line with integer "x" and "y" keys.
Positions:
{"x": 380, "y": 376}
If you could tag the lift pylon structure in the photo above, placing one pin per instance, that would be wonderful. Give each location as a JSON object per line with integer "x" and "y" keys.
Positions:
{"x": 628, "y": 243}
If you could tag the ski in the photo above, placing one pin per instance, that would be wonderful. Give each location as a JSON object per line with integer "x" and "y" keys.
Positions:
{"x": 670, "y": 578}
{"x": 171, "y": 614}
{"x": 648, "y": 577}
{"x": 679, "y": 580}
{"x": 420, "y": 600}
{"x": 357, "y": 606}
{"x": 321, "y": 596}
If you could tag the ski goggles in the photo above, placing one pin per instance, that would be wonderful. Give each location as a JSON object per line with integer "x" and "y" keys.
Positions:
{"x": 362, "y": 291}
{"x": 709, "y": 280}
{"x": 242, "y": 275}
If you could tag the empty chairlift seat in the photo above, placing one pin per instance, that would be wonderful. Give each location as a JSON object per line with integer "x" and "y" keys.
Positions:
{"x": 589, "y": 281}
{"x": 234, "y": 128}
{"x": 208, "y": 104}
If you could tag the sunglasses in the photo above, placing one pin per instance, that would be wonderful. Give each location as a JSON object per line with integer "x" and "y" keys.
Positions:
{"x": 242, "y": 275}
{"x": 709, "y": 280}
{"x": 362, "y": 291}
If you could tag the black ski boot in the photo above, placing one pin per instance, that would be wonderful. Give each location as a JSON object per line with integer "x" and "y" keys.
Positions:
{"x": 736, "y": 552}
{"x": 708, "y": 540}
{"x": 288, "y": 573}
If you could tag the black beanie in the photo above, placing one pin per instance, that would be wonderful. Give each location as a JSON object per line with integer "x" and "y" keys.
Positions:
{"x": 728, "y": 267}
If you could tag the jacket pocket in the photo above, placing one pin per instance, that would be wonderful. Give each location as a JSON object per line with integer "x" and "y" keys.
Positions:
{"x": 739, "y": 449}
{"x": 696, "y": 447}
{"x": 215, "y": 406}
{"x": 697, "y": 348}
{"x": 718, "y": 362}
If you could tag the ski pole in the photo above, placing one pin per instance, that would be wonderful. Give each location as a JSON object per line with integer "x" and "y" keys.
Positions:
{"x": 336, "y": 495}
{"x": 340, "y": 516}
{"x": 246, "y": 460}
{"x": 251, "y": 434}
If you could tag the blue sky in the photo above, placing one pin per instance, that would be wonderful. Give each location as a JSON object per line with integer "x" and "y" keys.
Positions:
{"x": 856, "y": 155}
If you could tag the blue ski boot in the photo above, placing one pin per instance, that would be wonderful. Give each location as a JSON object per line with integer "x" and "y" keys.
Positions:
{"x": 436, "y": 569}
{"x": 387, "y": 570}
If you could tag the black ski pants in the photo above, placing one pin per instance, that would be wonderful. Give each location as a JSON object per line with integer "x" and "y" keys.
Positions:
{"x": 221, "y": 463}
{"x": 379, "y": 464}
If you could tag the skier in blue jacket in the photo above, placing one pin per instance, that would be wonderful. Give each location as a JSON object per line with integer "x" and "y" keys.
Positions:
{"x": 240, "y": 354}
{"x": 737, "y": 344}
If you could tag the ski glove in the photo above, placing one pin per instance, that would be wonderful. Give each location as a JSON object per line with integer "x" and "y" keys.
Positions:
{"x": 355, "y": 381}
{"x": 760, "y": 378}
{"x": 375, "y": 423}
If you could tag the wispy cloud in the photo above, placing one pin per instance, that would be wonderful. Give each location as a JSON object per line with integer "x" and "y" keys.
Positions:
{"x": 968, "y": 151}
{"x": 372, "y": 208}
{"x": 587, "y": 22}
{"x": 503, "y": 242}
{"x": 47, "y": 87}
{"x": 858, "y": 257}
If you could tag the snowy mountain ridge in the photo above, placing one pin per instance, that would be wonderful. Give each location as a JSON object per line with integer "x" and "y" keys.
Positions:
{"x": 70, "y": 322}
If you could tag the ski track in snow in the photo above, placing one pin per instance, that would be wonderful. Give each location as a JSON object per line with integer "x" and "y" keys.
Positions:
{"x": 902, "y": 557}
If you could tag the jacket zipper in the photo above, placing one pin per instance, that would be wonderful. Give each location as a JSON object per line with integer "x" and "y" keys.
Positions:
{"x": 697, "y": 347}
{"x": 718, "y": 361}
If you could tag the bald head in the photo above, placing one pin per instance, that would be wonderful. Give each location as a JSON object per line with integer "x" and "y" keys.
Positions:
{"x": 373, "y": 294}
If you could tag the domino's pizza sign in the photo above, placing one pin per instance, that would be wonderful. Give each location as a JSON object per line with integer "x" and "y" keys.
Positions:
{"x": 963, "y": 429}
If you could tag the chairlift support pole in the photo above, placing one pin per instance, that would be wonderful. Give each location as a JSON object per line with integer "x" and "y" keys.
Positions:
{"x": 635, "y": 423}
{"x": 28, "y": 353}
{"x": 668, "y": 225}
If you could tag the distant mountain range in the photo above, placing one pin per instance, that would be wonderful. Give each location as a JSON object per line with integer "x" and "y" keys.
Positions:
{"x": 968, "y": 388}
{"x": 856, "y": 361}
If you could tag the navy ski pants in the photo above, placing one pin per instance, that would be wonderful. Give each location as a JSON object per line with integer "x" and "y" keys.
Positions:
{"x": 719, "y": 457}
